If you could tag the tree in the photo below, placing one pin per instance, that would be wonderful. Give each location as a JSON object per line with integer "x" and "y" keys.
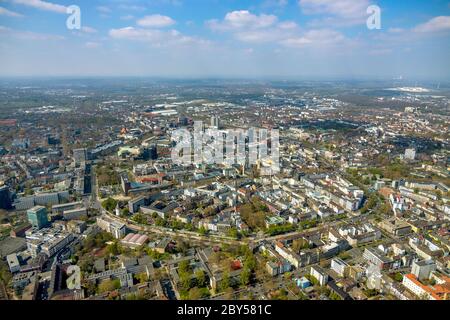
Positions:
{"x": 245, "y": 276}
{"x": 300, "y": 244}
{"x": 250, "y": 261}
{"x": 225, "y": 283}
{"x": 114, "y": 249}
{"x": 195, "y": 293}
{"x": 185, "y": 280}
{"x": 109, "y": 204}
{"x": 202, "y": 231}
{"x": 398, "y": 277}
{"x": 142, "y": 277}
{"x": 184, "y": 267}
{"x": 233, "y": 233}
{"x": 160, "y": 222}
{"x": 182, "y": 247}
{"x": 253, "y": 217}
{"x": 108, "y": 285}
{"x": 201, "y": 278}
{"x": 90, "y": 288}
{"x": 125, "y": 212}
{"x": 229, "y": 292}
{"x": 5, "y": 275}
{"x": 139, "y": 218}
{"x": 87, "y": 264}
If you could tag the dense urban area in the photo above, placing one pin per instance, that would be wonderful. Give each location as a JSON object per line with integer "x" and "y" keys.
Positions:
{"x": 93, "y": 207}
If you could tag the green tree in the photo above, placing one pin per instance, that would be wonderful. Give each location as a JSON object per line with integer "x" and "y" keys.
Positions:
{"x": 141, "y": 277}
{"x": 398, "y": 277}
{"x": 109, "y": 285}
{"x": 185, "y": 281}
{"x": 245, "y": 276}
{"x": 233, "y": 233}
{"x": 114, "y": 249}
{"x": 184, "y": 267}
{"x": 201, "y": 278}
{"x": 202, "y": 231}
{"x": 250, "y": 261}
{"x": 195, "y": 293}
{"x": 109, "y": 204}
{"x": 225, "y": 283}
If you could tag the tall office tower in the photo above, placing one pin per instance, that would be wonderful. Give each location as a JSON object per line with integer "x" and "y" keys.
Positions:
{"x": 215, "y": 123}
{"x": 79, "y": 156}
{"x": 5, "y": 198}
{"x": 153, "y": 152}
{"x": 125, "y": 182}
{"x": 37, "y": 216}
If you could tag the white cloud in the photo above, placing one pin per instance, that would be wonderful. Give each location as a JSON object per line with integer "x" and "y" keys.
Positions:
{"x": 27, "y": 35}
{"x": 396, "y": 30}
{"x": 320, "y": 37}
{"x": 260, "y": 36}
{"x": 9, "y": 13}
{"x": 131, "y": 33}
{"x": 127, "y": 17}
{"x": 340, "y": 12}
{"x": 104, "y": 9}
{"x": 131, "y": 7}
{"x": 287, "y": 25}
{"x": 248, "y": 27}
{"x": 155, "y": 37}
{"x": 242, "y": 19}
{"x": 437, "y": 24}
{"x": 87, "y": 29}
{"x": 156, "y": 21}
{"x": 259, "y": 29}
{"x": 42, "y": 5}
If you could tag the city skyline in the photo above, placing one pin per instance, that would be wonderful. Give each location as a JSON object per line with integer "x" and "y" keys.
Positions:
{"x": 242, "y": 39}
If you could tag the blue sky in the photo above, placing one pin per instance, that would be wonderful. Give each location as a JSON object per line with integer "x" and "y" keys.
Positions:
{"x": 226, "y": 38}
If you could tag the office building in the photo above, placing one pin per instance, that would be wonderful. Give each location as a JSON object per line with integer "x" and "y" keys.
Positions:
{"x": 13, "y": 263}
{"x": 5, "y": 198}
{"x": 75, "y": 214}
{"x": 318, "y": 273}
{"x": 215, "y": 122}
{"x": 339, "y": 266}
{"x": 79, "y": 156}
{"x": 117, "y": 229}
{"x": 377, "y": 258}
{"x": 422, "y": 269}
{"x": 37, "y": 217}
{"x": 150, "y": 153}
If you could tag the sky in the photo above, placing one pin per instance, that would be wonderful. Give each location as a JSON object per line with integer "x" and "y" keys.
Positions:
{"x": 299, "y": 39}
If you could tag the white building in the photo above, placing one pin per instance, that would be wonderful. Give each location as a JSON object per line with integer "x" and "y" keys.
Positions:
{"x": 13, "y": 263}
{"x": 320, "y": 274}
{"x": 422, "y": 269}
{"x": 339, "y": 266}
{"x": 117, "y": 229}
{"x": 410, "y": 154}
